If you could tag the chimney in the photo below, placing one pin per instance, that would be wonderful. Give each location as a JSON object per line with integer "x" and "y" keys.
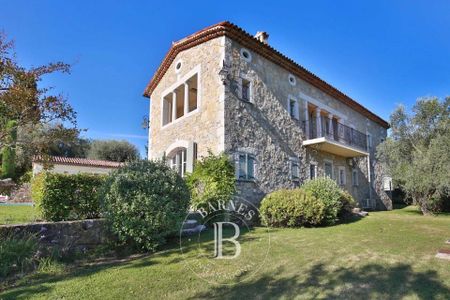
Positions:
{"x": 263, "y": 37}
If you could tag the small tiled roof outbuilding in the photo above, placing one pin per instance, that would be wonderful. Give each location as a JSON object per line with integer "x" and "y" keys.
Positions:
{"x": 247, "y": 40}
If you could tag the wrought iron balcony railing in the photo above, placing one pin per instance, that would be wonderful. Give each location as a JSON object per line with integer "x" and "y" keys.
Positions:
{"x": 338, "y": 132}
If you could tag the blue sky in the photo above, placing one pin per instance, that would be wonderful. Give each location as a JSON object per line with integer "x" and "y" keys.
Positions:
{"x": 380, "y": 53}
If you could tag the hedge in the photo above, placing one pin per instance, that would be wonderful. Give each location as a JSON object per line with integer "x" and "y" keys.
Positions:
{"x": 291, "y": 208}
{"x": 67, "y": 197}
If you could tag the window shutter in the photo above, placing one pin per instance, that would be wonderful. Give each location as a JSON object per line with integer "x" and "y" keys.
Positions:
{"x": 236, "y": 164}
{"x": 191, "y": 154}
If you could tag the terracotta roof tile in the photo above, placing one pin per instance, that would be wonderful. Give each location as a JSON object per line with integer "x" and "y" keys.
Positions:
{"x": 78, "y": 161}
{"x": 245, "y": 39}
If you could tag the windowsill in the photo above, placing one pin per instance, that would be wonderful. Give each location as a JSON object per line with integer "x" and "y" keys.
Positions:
{"x": 246, "y": 101}
{"x": 246, "y": 180}
{"x": 181, "y": 118}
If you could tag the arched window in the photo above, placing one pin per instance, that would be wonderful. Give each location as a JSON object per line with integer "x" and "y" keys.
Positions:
{"x": 177, "y": 160}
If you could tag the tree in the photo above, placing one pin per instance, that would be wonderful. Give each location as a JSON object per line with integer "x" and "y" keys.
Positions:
{"x": 30, "y": 106}
{"x": 417, "y": 152}
{"x": 212, "y": 180}
{"x": 113, "y": 150}
{"x": 9, "y": 152}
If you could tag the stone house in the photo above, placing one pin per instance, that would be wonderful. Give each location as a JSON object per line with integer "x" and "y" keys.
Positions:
{"x": 224, "y": 90}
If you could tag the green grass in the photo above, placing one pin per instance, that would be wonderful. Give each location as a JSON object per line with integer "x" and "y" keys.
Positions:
{"x": 387, "y": 255}
{"x": 17, "y": 214}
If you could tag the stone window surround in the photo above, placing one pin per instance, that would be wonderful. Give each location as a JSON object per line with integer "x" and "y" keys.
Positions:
{"x": 195, "y": 71}
{"x": 355, "y": 179}
{"x": 245, "y": 50}
{"x": 294, "y": 161}
{"x": 247, "y": 151}
{"x": 344, "y": 178}
{"x": 177, "y": 70}
{"x": 315, "y": 164}
{"x": 292, "y": 80}
{"x": 178, "y": 161}
{"x": 191, "y": 152}
{"x": 296, "y": 114}
{"x": 325, "y": 161}
{"x": 250, "y": 88}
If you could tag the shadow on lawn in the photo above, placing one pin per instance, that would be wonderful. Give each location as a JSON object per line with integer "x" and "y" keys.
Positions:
{"x": 369, "y": 281}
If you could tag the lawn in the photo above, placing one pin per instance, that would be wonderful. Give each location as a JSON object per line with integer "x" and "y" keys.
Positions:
{"x": 387, "y": 255}
{"x": 17, "y": 214}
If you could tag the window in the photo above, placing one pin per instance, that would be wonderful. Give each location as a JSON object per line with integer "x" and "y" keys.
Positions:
{"x": 180, "y": 101}
{"x": 312, "y": 171}
{"x": 245, "y": 54}
{"x": 167, "y": 109}
{"x": 295, "y": 169}
{"x": 245, "y": 90}
{"x": 178, "y": 66}
{"x": 292, "y": 80}
{"x": 369, "y": 141}
{"x": 178, "y": 161}
{"x": 328, "y": 168}
{"x": 342, "y": 177}
{"x": 247, "y": 164}
{"x": 355, "y": 177}
{"x": 293, "y": 108}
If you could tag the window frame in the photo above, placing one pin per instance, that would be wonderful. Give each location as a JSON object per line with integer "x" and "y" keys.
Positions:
{"x": 296, "y": 113}
{"x": 245, "y": 176}
{"x": 313, "y": 164}
{"x": 342, "y": 179}
{"x": 332, "y": 168}
{"x": 247, "y": 59}
{"x": 178, "y": 161}
{"x": 355, "y": 177}
{"x": 294, "y": 162}
{"x": 248, "y": 80}
{"x": 196, "y": 71}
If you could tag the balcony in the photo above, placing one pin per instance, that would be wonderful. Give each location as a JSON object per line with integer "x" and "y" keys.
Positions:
{"x": 334, "y": 137}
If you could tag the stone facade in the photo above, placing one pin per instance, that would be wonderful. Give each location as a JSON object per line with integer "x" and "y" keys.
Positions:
{"x": 264, "y": 126}
{"x": 205, "y": 126}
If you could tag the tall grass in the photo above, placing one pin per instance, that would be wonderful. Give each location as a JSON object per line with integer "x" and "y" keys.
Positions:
{"x": 17, "y": 254}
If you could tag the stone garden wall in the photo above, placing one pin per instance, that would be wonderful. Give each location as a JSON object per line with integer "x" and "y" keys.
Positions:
{"x": 66, "y": 237}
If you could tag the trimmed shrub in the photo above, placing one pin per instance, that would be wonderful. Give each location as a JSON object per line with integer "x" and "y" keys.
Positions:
{"x": 347, "y": 205}
{"x": 291, "y": 208}
{"x": 326, "y": 190}
{"x": 212, "y": 180}
{"x": 67, "y": 197}
{"x": 145, "y": 202}
{"x": 17, "y": 254}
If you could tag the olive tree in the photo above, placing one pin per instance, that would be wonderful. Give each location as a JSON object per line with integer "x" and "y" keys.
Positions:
{"x": 417, "y": 152}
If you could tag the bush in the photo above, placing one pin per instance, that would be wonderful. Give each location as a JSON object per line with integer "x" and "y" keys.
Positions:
{"x": 17, "y": 254}
{"x": 326, "y": 190}
{"x": 67, "y": 197}
{"x": 145, "y": 202}
{"x": 291, "y": 208}
{"x": 347, "y": 205}
{"x": 212, "y": 180}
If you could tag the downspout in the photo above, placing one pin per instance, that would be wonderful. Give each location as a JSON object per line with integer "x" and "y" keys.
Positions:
{"x": 369, "y": 179}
